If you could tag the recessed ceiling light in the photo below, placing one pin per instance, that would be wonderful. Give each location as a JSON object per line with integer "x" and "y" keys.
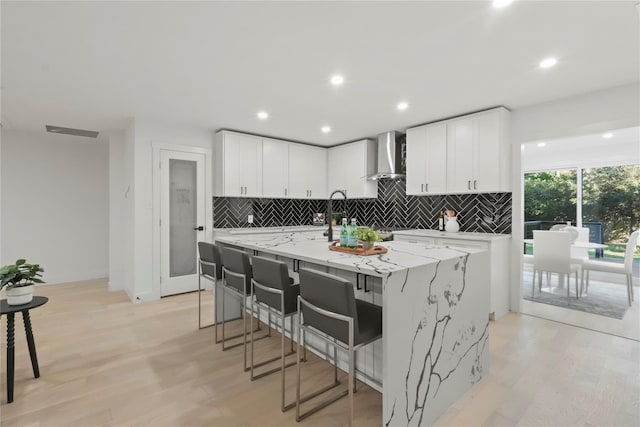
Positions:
{"x": 325, "y": 129}
{"x": 402, "y": 106}
{"x": 548, "y": 62}
{"x": 501, "y": 3}
{"x": 541, "y": 144}
{"x": 522, "y": 148}
{"x": 337, "y": 80}
{"x": 607, "y": 135}
{"x": 263, "y": 115}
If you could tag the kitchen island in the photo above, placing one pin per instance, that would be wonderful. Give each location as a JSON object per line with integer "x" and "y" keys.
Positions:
{"x": 435, "y": 301}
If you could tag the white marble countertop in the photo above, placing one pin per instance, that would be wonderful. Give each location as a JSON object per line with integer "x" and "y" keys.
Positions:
{"x": 314, "y": 248}
{"x": 486, "y": 237}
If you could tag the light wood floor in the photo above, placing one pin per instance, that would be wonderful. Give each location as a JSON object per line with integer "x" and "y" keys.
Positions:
{"x": 106, "y": 361}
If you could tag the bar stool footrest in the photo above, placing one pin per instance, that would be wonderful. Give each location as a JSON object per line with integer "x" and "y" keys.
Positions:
{"x": 322, "y": 405}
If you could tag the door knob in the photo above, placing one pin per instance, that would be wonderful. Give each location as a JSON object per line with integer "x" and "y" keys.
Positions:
{"x": 200, "y": 228}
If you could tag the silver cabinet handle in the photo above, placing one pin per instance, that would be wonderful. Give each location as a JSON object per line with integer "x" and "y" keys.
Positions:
{"x": 426, "y": 187}
{"x": 241, "y": 191}
{"x": 422, "y": 188}
{"x": 475, "y": 184}
{"x": 469, "y": 184}
{"x": 285, "y": 191}
{"x": 309, "y": 193}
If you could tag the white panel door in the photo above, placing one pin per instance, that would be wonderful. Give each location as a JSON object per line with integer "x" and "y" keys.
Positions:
{"x": 182, "y": 214}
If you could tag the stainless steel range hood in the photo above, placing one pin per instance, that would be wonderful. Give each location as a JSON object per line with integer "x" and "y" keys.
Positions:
{"x": 389, "y": 157}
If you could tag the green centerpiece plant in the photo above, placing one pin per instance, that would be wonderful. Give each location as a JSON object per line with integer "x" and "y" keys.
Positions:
{"x": 368, "y": 236}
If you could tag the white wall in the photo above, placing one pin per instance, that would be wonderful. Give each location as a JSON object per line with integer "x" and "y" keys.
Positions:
{"x": 147, "y": 133}
{"x": 55, "y": 204}
{"x": 119, "y": 181}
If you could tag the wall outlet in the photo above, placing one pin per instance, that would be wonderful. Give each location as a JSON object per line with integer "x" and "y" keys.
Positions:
{"x": 250, "y": 219}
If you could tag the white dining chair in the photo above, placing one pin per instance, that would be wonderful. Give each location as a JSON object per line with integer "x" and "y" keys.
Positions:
{"x": 625, "y": 268}
{"x": 552, "y": 254}
{"x": 580, "y": 255}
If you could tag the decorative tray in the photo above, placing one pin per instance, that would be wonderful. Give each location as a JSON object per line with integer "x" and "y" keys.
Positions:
{"x": 376, "y": 250}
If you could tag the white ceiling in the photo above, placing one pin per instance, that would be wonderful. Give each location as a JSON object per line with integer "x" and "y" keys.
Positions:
{"x": 622, "y": 148}
{"x": 213, "y": 65}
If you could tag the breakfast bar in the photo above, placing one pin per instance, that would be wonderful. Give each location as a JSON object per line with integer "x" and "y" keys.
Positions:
{"x": 435, "y": 300}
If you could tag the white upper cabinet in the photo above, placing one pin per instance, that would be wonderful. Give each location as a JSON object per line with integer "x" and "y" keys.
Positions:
{"x": 237, "y": 165}
{"x": 427, "y": 159}
{"x": 275, "y": 168}
{"x": 349, "y": 164}
{"x": 478, "y": 153}
{"x": 307, "y": 172}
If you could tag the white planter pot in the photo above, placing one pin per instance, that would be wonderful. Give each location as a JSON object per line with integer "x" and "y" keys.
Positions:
{"x": 19, "y": 296}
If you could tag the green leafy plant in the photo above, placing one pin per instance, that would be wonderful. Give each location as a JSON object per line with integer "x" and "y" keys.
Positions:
{"x": 367, "y": 234}
{"x": 20, "y": 274}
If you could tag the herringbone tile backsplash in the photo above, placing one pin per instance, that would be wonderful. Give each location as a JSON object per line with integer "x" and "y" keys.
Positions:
{"x": 486, "y": 212}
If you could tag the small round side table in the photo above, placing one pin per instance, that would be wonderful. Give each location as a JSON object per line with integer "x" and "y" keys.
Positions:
{"x": 10, "y": 311}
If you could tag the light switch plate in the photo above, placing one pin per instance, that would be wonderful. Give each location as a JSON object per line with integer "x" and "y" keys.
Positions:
{"x": 250, "y": 219}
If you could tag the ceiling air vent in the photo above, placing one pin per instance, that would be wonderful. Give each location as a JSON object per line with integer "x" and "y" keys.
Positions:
{"x": 71, "y": 131}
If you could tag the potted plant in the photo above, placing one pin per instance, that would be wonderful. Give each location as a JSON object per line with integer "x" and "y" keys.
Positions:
{"x": 368, "y": 236}
{"x": 336, "y": 217}
{"x": 20, "y": 278}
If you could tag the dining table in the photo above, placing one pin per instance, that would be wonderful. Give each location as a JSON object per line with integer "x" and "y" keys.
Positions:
{"x": 580, "y": 245}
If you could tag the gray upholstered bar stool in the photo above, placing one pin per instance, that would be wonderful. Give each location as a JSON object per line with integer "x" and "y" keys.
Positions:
{"x": 328, "y": 309}
{"x": 209, "y": 268}
{"x": 274, "y": 291}
{"x": 236, "y": 279}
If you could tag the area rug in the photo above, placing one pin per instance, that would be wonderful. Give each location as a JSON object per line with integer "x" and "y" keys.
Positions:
{"x": 604, "y": 299}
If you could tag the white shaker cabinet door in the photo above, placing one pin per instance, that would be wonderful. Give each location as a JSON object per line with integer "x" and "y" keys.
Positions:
{"x": 460, "y": 155}
{"x": 238, "y": 165}
{"x": 416, "y": 154}
{"x": 250, "y": 166}
{"x": 349, "y": 164}
{"x": 488, "y": 153}
{"x": 275, "y": 168}
{"x": 436, "y": 159}
{"x": 317, "y": 173}
{"x": 427, "y": 159}
{"x": 307, "y": 172}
